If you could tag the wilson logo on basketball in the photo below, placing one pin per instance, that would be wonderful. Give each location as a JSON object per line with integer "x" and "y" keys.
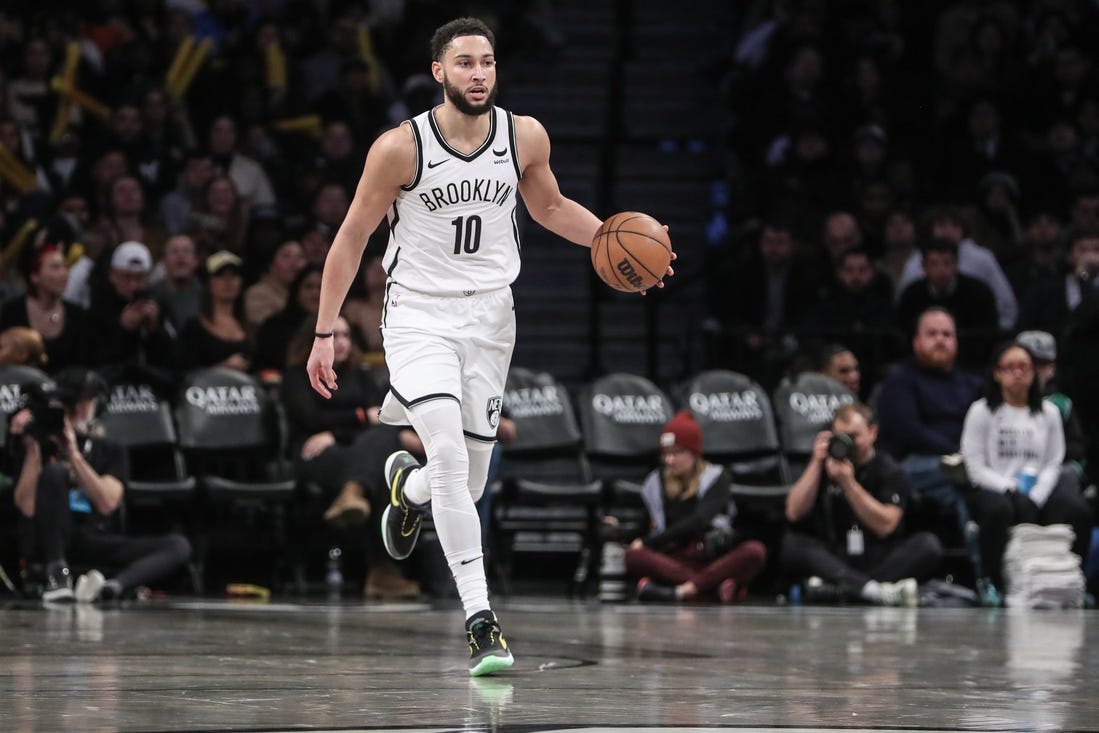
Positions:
{"x": 628, "y": 272}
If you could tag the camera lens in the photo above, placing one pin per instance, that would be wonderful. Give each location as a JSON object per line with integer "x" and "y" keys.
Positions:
{"x": 841, "y": 447}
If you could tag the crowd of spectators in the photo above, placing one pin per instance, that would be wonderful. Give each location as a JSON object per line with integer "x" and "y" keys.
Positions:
{"x": 171, "y": 177}
{"x": 889, "y": 157}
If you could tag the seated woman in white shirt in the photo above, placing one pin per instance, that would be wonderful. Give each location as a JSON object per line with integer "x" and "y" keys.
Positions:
{"x": 1014, "y": 447}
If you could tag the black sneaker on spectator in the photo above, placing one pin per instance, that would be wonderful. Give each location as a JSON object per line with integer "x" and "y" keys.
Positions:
{"x": 58, "y": 586}
{"x": 488, "y": 650}
{"x": 817, "y": 591}
{"x": 649, "y": 591}
{"x": 401, "y": 520}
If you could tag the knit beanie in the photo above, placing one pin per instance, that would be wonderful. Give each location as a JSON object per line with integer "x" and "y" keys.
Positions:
{"x": 682, "y": 430}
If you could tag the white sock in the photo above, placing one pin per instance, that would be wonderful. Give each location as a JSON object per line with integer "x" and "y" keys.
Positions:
{"x": 417, "y": 487}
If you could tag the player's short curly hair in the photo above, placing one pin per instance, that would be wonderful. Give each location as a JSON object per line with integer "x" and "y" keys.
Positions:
{"x": 455, "y": 28}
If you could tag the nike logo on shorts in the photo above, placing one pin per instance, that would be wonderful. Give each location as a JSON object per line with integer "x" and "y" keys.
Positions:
{"x": 472, "y": 559}
{"x": 433, "y": 163}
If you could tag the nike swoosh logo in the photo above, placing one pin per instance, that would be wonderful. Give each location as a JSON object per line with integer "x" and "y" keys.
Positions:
{"x": 432, "y": 164}
{"x": 500, "y": 153}
{"x": 472, "y": 559}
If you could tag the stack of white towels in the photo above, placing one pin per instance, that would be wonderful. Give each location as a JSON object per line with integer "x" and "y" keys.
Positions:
{"x": 1040, "y": 570}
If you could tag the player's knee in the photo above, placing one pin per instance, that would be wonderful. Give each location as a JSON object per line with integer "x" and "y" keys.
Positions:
{"x": 449, "y": 450}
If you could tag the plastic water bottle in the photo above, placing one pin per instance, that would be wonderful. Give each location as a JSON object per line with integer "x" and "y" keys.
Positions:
{"x": 1027, "y": 478}
{"x": 333, "y": 579}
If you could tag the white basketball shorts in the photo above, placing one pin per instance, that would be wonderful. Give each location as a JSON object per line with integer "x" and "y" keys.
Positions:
{"x": 443, "y": 347}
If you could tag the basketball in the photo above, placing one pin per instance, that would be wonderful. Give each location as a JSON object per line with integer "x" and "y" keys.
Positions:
{"x": 631, "y": 251}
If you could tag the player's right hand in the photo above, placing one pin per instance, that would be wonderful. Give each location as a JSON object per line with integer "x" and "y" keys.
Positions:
{"x": 820, "y": 445}
{"x": 319, "y": 367}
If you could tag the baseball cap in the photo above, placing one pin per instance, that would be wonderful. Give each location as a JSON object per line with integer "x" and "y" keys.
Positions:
{"x": 1041, "y": 344}
{"x": 222, "y": 259}
{"x": 682, "y": 430}
{"x": 77, "y": 383}
{"x": 132, "y": 256}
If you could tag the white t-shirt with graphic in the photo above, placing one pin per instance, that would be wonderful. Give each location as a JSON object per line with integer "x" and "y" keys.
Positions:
{"x": 998, "y": 444}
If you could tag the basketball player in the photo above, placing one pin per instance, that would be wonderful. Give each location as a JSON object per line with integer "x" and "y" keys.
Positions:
{"x": 448, "y": 180}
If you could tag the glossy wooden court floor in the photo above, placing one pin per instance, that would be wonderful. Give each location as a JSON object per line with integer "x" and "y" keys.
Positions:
{"x": 213, "y": 666}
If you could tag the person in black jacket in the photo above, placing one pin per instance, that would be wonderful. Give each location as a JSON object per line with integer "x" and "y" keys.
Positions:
{"x": 688, "y": 552}
{"x": 61, "y": 324}
{"x": 761, "y": 298}
{"x": 340, "y": 445}
{"x": 217, "y": 336}
{"x": 969, "y": 300}
{"x": 273, "y": 335}
{"x": 128, "y": 324}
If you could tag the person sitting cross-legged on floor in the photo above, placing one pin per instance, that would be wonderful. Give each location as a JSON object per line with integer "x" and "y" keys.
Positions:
{"x": 846, "y": 514}
{"x": 679, "y": 559}
{"x": 69, "y": 492}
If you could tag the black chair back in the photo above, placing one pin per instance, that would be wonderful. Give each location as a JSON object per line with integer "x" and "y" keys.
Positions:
{"x": 14, "y": 380}
{"x": 804, "y": 407}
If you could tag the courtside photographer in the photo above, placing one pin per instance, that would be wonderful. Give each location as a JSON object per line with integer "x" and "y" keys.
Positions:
{"x": 69, "y": 490}
{"x": 846, "y": 515}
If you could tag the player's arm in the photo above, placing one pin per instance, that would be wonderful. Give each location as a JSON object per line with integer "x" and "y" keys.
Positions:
{"x": 541, "y": 194}
{"x": 390, "y": 164}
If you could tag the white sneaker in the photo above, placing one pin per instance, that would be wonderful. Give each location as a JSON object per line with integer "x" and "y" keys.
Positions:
{"x": 872, "y": 592}
{"x": 88, "y": 586}
{"x": 904, "y": 592}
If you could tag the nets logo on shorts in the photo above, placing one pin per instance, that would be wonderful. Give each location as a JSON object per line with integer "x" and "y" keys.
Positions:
{"x": 492, "y": 410}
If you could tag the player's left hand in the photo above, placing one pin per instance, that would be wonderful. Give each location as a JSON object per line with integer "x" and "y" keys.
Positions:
{"x": 669, "y": 273}
{"x": 319, "y": 368}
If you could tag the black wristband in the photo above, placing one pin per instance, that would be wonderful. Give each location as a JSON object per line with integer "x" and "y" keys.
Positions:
{"x": 328, "y": 335}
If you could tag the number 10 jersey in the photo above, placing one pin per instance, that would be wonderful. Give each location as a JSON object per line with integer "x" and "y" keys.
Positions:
{"x": 452, "y": 230}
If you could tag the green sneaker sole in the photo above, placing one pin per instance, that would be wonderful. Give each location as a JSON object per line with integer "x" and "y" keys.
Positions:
{"x": 488, "y": 665}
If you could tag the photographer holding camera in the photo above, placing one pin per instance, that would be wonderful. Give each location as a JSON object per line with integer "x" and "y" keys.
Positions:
{"x": 69, "y": 489}
{"x": 846, "y": 513}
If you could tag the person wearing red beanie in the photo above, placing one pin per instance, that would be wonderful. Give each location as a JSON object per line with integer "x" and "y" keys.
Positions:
{"x": 689, "y": 552}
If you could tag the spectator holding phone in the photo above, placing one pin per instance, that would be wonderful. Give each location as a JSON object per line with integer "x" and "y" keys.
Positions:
{"x": 128, "y": 323}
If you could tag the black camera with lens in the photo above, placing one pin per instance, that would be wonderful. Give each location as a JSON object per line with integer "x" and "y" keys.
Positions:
{"x": 46, "y": 402}
{"x": 841, "y": 447}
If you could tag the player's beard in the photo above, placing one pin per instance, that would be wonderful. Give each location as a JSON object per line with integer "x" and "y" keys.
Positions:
{"x": 454, "y": 94}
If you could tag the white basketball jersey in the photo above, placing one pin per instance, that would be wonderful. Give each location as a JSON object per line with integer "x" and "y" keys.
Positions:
{"x": 452, "y": 229}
